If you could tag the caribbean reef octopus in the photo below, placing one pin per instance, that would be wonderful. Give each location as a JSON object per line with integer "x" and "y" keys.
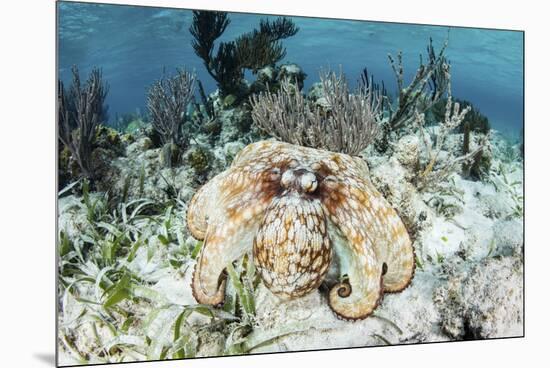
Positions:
{"x": 298, "y": 208}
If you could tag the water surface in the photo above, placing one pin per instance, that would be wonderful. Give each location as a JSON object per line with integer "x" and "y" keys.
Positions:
{"x": 134, "y": 44}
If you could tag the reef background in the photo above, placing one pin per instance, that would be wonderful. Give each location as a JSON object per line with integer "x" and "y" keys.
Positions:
{"x": 134, "y": 44}
{"x": 126, "y": 254}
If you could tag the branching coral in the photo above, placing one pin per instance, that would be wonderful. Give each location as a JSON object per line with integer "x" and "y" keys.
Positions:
{"x": 207, "y": 27}
{"x": 474, "y": 120}
{"x": 348, "y": 125}
{"x": 262, "y": 47}
{"x": 207, "y": 111}
{"x": 167, "y": 102}
{"x": 284, "y": 114}
{"x": 80, "y": 110}
{"x": 435, "y": 171}
{"x": 253, "y": 50}
{"x": 428, "y": 86}
{"x": 379, "y": 89}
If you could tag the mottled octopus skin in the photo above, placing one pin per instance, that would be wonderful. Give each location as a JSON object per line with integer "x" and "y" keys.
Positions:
{"x": 298, "y": 208}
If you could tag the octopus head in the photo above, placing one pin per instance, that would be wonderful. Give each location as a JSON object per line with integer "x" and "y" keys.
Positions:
{"x": 300, "y": 180}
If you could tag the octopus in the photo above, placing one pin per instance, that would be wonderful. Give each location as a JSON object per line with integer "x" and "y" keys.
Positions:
{"x": 296, "y": 210}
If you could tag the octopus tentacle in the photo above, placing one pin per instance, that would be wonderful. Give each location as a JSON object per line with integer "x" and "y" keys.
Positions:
{"x": 224, "y": 243}
{"x": 237, "y": 213}
{"x": 400, "y": 259}
{"x": 359, "y": 294}
{"x": 393, "y": 245}
{"x": 376, "y": 241}
{"x": 371, "y": 216}
{"x": 200, "y": 205}
{"x": 226, "y": 240}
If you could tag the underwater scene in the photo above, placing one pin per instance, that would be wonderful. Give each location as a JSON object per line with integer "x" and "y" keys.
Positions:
{"x": 235, "y": 183}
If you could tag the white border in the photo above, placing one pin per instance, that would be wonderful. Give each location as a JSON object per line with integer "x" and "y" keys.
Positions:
{"x": 28, "y": 195}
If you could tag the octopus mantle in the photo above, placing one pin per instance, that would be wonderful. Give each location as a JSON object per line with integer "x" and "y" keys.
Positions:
{"x": 298, "y": 208}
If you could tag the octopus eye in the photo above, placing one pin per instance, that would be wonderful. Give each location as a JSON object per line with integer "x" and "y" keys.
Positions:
{"x": 275, "y": 173}
{"x": 384, "y": 268}
{"x": 308, "y": 182}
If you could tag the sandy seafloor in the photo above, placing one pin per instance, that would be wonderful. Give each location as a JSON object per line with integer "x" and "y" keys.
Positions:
{"x": 468, "y": 282}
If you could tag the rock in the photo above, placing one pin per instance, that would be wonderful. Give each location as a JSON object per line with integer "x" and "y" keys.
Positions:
{"x": 418, "y": 321}
{"x": 495, "y": 206}
{"x": 141, "y": 174}
{"x": 294, "y": 73}
{"x": 484, "y": 302}
{"x": 308, "y": 322}
{"x": 267, "y": 75}
{"x": 392, "y": 180}
{"x": 140, "y": 145}
{"x": 407, "y": 151}
{"x": 101, "y": 162}
{"x": 234, "y": 122}
{"x": 315, "y": 91}
{"x": 231, "y": 150}
{"x": 109, "y": 139}
{"x": 199, "y": 158}
{"x": 508, "y": 237}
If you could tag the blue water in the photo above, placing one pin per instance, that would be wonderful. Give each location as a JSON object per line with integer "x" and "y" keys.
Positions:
{"x": 133, "y": 44}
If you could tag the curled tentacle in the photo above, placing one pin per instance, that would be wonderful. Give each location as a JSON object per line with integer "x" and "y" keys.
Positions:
{"x": 376, "y": 242}
{"x": 359, "y": 294}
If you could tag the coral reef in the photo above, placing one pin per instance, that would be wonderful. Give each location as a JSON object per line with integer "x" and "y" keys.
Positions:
{"x": 269, "y": 79}
{"x": 293, "y": 73}
{"x": 274, "y": 198}
{"x": 144, "y": 236}
{"x": 348, "y": 124}
{"x": 80, "y": 110}
{"x": 167, "y": 101}
{"x": 436, "y": 170}
{"x": 285, "y": 228}
{"x": 428, "y": 85}
{"x": 199, "y": 158}
{"x": 252, "y": 51}
{"x": 474, "y": 119}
